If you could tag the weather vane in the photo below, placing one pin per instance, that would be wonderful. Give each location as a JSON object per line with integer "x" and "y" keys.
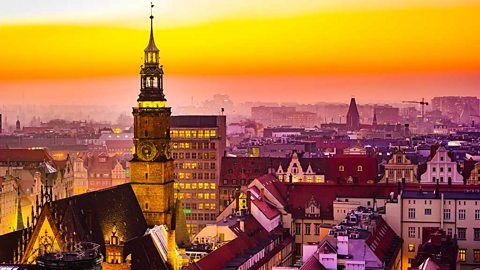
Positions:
{"x": 151, "y": 10}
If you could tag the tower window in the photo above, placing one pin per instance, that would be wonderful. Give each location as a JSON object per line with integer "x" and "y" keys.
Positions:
{"x": 146, "y": 205}
{"x": 146, "y": 175}
{"x": 146, "y": 133}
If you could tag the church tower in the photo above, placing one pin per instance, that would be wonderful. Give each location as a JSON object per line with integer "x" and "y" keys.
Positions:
{"x": 353, "y": 117}
{"x": 152, "y": 167}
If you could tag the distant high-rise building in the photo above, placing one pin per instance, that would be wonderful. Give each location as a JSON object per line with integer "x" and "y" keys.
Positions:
{"x": 198, "y": 145}
{"x": 353, "y": 117}
{"x": 453, "y": 106}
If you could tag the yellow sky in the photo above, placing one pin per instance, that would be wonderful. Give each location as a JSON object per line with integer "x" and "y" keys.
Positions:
{"x": 394, "y": 40}
{"x": 272, "y": 38}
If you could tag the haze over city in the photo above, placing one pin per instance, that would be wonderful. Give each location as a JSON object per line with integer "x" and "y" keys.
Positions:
{"x": 240, "y": 135}
{"x": 86, "y": 53}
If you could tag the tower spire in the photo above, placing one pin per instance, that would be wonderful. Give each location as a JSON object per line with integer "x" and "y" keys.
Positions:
{"x": 151, "y": 47}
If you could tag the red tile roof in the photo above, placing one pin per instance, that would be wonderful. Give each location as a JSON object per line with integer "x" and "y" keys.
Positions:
{"x": 24, "y": 155}
{"x": 312, "y": 264}
{"x": 299, "y": 194}
{"x": 269, "y": 211}
{"x": 350, "y": 164}
{"x": 385, "y": 243}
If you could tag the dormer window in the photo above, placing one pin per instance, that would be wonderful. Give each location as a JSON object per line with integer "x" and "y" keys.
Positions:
{"x": 359, "y": 168}
{"x": 341, "y": 168}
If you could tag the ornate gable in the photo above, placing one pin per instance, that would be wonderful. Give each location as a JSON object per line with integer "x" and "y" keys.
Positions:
{"x": 312, "y": 208}
{"x": 46, "y": 237}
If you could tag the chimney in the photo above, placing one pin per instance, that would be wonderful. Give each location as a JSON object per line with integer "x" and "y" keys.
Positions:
{"x": 249, "y": 201}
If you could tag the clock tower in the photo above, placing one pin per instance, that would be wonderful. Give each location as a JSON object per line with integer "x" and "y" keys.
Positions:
{"x": 152, "y": 167}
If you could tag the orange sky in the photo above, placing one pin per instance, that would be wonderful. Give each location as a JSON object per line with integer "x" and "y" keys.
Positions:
{"x": 325, "y": 52}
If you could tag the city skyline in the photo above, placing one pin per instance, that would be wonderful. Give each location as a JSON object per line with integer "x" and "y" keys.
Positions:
{"x": 329, "y": 51}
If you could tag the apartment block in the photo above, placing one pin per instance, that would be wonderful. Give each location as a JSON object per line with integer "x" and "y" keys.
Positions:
{"x": 198, "y": 145}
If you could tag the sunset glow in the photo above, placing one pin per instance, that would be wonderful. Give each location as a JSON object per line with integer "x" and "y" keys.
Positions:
{"x": 326, "y": 39}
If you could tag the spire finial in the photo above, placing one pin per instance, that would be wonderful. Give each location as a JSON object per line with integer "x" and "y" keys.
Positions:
{"x": 151, "y": 43}
{"x": 151, "y": 10}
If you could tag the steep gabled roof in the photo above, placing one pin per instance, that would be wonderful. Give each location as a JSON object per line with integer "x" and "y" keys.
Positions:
{"x": 385, "y": 243}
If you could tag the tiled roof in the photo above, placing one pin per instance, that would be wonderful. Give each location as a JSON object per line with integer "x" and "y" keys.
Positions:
{"x": 96, "y": 165}
{"x": 312, "y": 264}
{"x": 237, "y": 251}
{"x": 269, "y": 211}
{"x": 299, "y": 194}
{"x": 92, "y": 217}
{"x": 25, "y": 155}
{"x": 385, "y": 243}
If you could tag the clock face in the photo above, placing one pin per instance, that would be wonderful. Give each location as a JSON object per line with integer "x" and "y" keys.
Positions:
{"x": 147, "y": 151}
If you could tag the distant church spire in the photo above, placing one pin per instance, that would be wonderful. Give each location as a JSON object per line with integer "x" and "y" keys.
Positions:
{"x": 374, "y": 123}
{"x": 353, "y": 117}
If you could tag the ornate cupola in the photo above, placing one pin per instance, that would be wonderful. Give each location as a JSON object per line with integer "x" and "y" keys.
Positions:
{"x": 151, "y": 73}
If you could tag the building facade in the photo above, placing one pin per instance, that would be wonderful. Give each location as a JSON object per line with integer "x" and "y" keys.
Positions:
{"x": 441, "y": 168}
{"x": 400, "y": 169}
{"x": 198, "y": 145}
{"x": 455, "y": 212}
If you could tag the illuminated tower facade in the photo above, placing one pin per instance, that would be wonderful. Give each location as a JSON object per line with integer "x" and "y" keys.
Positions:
{"x": 152, "y": 175}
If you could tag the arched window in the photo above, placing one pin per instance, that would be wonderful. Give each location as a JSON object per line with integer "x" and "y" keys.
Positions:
{"x": 359, "y": 168}
{"x": 146, "y": 205}
{"x": 341, "y": 168}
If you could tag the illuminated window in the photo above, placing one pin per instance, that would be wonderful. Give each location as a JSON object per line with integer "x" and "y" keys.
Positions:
{"x": 188, "y": 134}
{"x": 206, "y": 133}
{"x": 411, "y": 248}
{"x": 181, "y": 133}
{"x": 181, "y": 185}
{"x": 188, "y": 195}
{"x": 174, "y": 133}
{"x": 181, "y": 176}
{"x": 180, "y": 196}
{"x": 212, "y": 196}
{"x": 194, "y": 185}
{"x": 200, "y": 195}
{"x": 213, "y": 133}
{"x": 205, "y": 186}
{"x": 309, "y": 179}
{"x": 200, "y": 206}
{"x": 188, "y": 175}
{"x": 200, "y": 134}
{"x": 206, "y": 196}
{"x": 359, "y": 168}
{"x": 206, "y": 206}
{"x": 341, "y": 168}
{"x": 187, "y": 186}
{"x": 194, "y": 133}
{"x": 462, "y": 255}
{"x": 200, "y": 185}
{"x": 212, "y": 185}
